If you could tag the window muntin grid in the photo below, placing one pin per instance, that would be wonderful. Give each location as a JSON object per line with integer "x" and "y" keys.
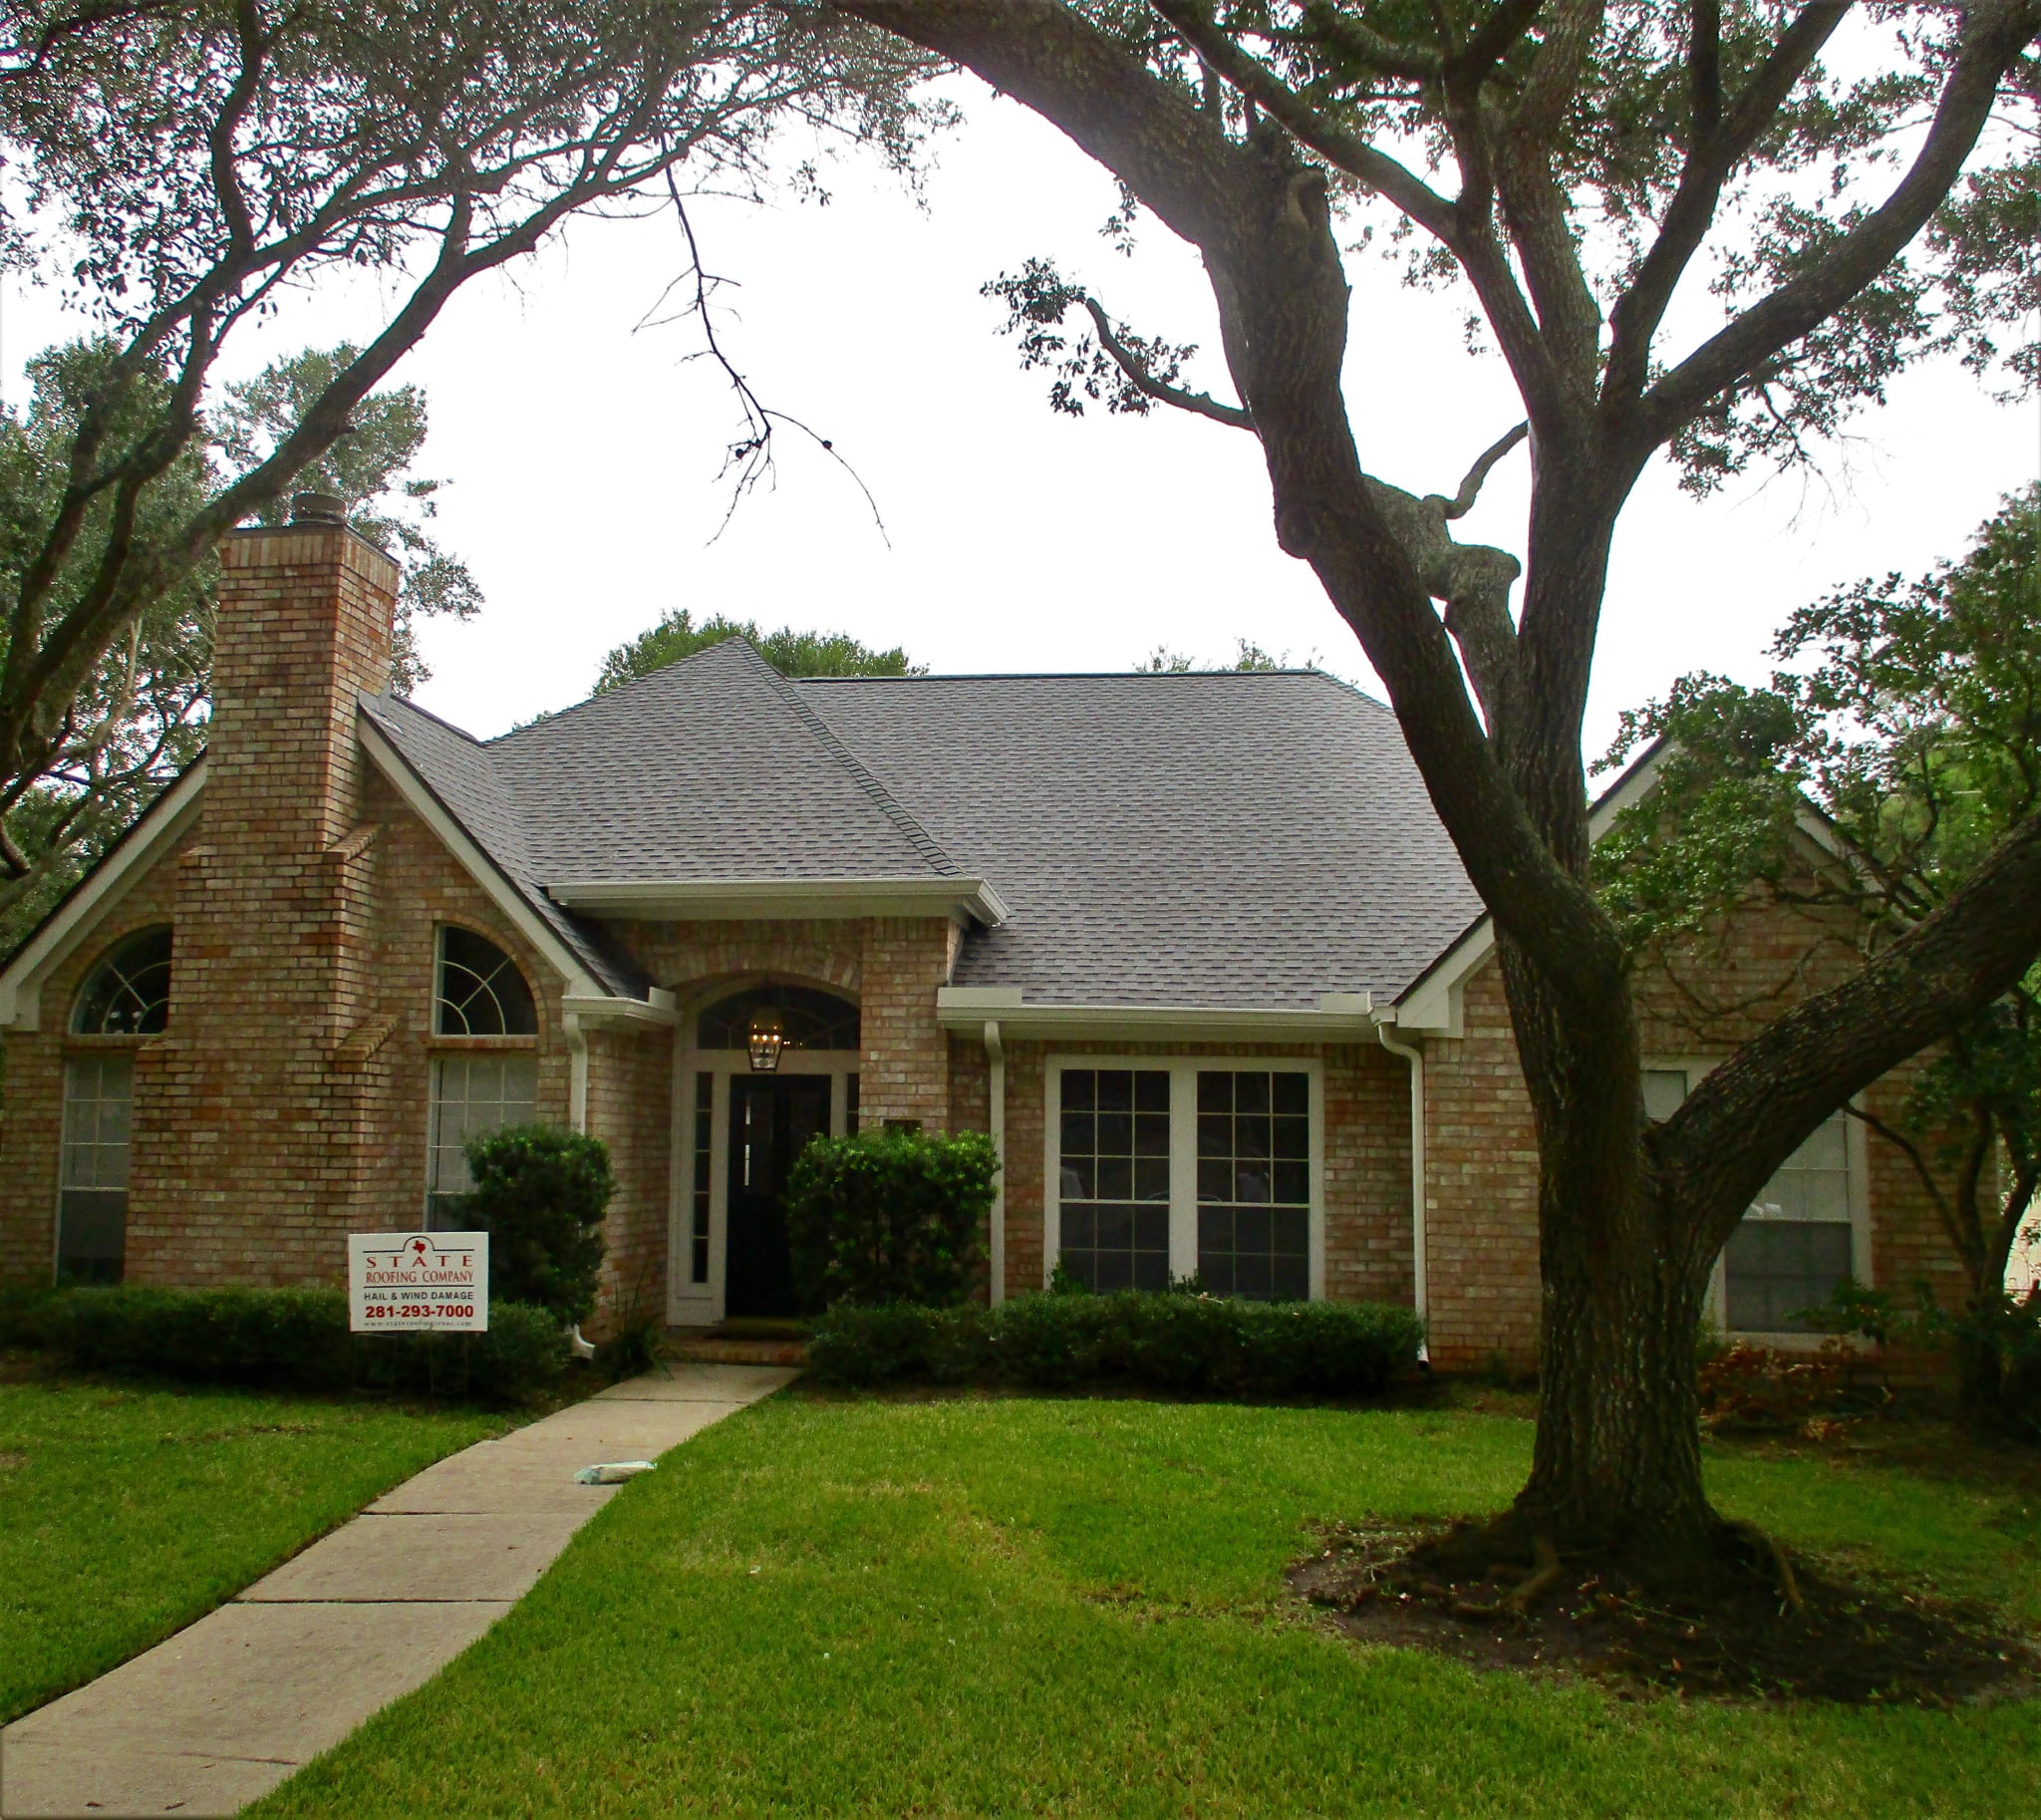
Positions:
{"x": 1255, "y": 1182}
{"x": 92, "y": 1210}
{"x": 1113, "y": 1178}
{"x": 810, "y": 1019}
{"x": 129, "y": 993}
{"x": 705, "y": 1136}
{"x": 1791, "y": 1250}
{"x": 481, "y": 993}
{"x": 471, "y": 1095}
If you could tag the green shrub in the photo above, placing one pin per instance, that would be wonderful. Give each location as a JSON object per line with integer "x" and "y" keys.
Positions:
{"x": 540, "y": 1195}
{"x": 1202, "y": 1345}
{"x": 282, "y": 1339}
{"x": 889, "y": 1216}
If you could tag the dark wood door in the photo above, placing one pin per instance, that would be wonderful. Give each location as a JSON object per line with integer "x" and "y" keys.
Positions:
{"x": 771, "y": 1120}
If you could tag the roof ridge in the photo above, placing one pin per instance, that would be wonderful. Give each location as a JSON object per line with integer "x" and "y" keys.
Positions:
{"x": 389, "y": 697}
{"x": 1059, "y": 676}
{"x": 883, "y": 798}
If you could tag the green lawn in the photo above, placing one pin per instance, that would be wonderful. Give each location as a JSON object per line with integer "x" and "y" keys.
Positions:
{"x": 1065, "y": 1606}
{"x": 126, "y": 1513}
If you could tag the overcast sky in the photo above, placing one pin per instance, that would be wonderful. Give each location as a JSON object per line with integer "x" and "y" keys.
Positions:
{"x": 583, "y": 452}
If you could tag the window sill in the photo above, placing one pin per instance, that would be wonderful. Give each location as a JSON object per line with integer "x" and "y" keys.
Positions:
{"x": 469, "y": 1045}
{"x": 109, "y": 1040}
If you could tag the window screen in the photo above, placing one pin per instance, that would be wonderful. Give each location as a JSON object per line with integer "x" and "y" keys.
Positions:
{"x": 1255, "y": 1184}
{"x": 92, "y": 1215}
{"x": 1791, "y": 1249}
{"x": 1113, "y": 1178}
{"x": 471, "y": 1095}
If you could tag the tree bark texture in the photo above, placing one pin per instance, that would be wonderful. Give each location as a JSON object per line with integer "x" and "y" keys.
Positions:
{"x": 1630, "y": 1214}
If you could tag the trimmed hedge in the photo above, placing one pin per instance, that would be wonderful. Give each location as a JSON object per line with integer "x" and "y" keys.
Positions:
{"x": 889, "y": 1216}
{"x": 540, "y": 1195}
{"x": 1198, "y": 1344}
{"x": 282, "y": 1339}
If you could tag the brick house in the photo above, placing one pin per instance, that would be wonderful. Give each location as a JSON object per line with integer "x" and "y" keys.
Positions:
{"x": 1193, "y": 949}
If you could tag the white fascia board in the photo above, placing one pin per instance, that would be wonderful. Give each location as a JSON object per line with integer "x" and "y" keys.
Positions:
{"x": 477, "y": 865}
{"x": 726, "y": 899}
{"x": 1432, "y": 1006}
{"x": 163, "y": 823}
{"x": 606, "y": 1008}
{"x": 1341, "y": 1018}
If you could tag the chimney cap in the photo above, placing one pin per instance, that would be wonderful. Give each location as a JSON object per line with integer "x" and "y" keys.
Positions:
{"x": 318, "y": 508}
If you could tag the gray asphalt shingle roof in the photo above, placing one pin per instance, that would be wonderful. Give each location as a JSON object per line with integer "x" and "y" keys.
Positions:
{"x": 1214, "y": 840}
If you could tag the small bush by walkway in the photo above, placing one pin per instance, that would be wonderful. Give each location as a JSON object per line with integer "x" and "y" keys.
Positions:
{"x": 1197, "y": 1344}
{"x": 126, "y": 1513}
{"x": 283, "y": 1340}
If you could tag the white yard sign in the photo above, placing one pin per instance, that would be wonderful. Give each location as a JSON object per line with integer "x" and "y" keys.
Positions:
{"x": 418, "y": 1282}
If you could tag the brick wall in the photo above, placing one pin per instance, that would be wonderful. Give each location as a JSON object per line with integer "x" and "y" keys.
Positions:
{"x": 630, "y": 1108}
{"x": 1482, "y": 1151}
{"x": 1367, "y": 1148}
{"x": 905, "y": 1069}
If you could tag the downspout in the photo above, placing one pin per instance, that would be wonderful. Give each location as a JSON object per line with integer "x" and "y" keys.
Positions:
{"x": 1415, "y": 1057}
{"x": 996, "y": 1054}
{"x": 577, "y": 1122}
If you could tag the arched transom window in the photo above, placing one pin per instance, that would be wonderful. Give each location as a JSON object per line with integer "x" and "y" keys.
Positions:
{"x": 809, "y": 1019}
{"x": 480, "y": 991}
{"x": 129, "y": 993}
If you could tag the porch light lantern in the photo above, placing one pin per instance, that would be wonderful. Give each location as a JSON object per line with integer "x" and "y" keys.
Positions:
{"x": 767, "y": 1036}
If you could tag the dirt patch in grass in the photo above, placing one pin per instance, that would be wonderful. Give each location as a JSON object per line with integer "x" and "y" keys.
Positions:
{"x": 1852, "y": 1644}
{"x": 12, "y": 1462}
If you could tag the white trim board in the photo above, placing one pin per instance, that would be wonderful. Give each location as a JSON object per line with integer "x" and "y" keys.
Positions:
{"x": 477, "y": 865}
{"x": 163, "y": 825}
{"x": 726, "y": 899}
{"x": 1340, "y": 1018}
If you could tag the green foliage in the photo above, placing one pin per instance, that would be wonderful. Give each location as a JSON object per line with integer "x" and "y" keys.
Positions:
{"x": 370, "y": 469}
{"x": 541, "y": 1195}
{"x": 889, "y": 1216}
{"x": 281, "y": 1338}
{"x": 1994, "y": 1337}
{"x": 790, "y": 652}
{"x": 1191, "y": 1344}
{"x": 128, "y": 1511}
{"x": 1907, "y": 716}
{"x": 1248, "y": 657}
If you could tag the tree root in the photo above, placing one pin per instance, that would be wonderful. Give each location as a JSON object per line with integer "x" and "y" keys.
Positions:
{"x": 1519, "y": 1600}
{"x": 1782, "y": 1569}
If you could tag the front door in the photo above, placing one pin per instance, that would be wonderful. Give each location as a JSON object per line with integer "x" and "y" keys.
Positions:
{"x": 772, "y": 1119}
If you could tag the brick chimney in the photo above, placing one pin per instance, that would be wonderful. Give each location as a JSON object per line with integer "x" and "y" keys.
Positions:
{"x": 259, "y": 1126}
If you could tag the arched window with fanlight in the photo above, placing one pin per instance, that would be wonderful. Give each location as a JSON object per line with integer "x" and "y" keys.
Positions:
{"x": 479, "y": 994}
{"x": 126, "y": 994}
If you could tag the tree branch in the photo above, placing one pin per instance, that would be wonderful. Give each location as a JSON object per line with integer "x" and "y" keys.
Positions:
{"x": 1202, "y": 404}
{"x": 1462, "y": 502}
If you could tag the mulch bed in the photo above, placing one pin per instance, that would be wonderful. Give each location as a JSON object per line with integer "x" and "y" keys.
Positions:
{"x": 1853, "y": 1643}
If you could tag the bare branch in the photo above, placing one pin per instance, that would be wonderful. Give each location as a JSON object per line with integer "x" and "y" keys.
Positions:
{"x": 1462, "y": 502}
{"x": 1202, "y": 404}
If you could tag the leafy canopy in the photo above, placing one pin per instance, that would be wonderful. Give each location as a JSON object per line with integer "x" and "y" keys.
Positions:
{"x": 790, "y": 651}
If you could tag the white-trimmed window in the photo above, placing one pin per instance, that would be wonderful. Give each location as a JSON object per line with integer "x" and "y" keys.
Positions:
{"x": 1161, "y": 1168}
{"x": 478, "y": 992}
{"x": 1802, "y": 1237}
{"x": 91, "y": 1223}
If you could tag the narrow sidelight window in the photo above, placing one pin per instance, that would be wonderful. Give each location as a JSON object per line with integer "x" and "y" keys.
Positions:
{"x": 1255, "y": 1184}
{"x": 704, "y": 1125}
{"x": 1114, "y": 1178}
{"x": 91, "y": 1219}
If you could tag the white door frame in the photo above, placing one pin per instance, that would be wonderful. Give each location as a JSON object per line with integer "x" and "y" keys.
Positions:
{"x": 691, "y": 1304}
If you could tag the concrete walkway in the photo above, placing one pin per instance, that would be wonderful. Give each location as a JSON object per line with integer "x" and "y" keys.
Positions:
{"x": 222, "y": 1713}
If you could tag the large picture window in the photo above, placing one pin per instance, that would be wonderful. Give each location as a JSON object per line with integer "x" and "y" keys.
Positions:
{"x": 1796, "y": 1244}
{"x": 1253, "y": 1184}
{"x": 92, "y": 1216}
{"x": 1184, "y": 1166}
{"x": 1114, "y": 1177}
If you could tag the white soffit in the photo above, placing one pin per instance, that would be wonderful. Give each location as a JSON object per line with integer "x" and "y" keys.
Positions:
{"x": 162, "y": 825}
{"x": 1339, "y": 1017}
{"x": 726, "y": 899}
